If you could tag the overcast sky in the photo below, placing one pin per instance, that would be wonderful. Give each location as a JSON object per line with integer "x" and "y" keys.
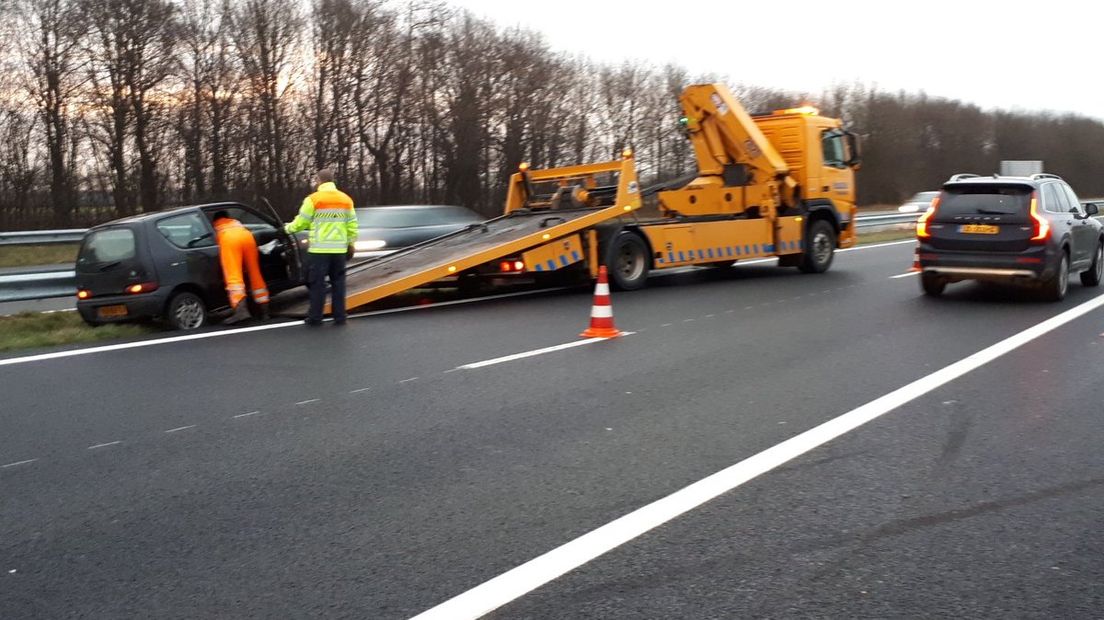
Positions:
{"x": 1012, "y": 54}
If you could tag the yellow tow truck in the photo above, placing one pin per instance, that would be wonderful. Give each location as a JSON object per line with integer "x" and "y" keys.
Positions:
{"x": 779, "y": 184}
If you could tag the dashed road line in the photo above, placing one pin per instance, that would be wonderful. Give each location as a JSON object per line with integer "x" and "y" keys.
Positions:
{"x": 667, "y": 325}
{"x": 18, "y": 463}
{"x": 358, "y": 391}
{"x": 307, "y": 402}
{"x": 182, "y": 428}
{"x": 518, "y": 356}
{"x": 409, "y": 380}
{"x": 104, "y": 445}
{"x": 246, "y": 415}
{"x": 904, "y": 275}
{"x": 688, "y": 320}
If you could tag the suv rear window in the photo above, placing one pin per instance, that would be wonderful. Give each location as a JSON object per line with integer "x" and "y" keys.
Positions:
{"x": 110, "y": 245}
{"x": 985, "y": 200}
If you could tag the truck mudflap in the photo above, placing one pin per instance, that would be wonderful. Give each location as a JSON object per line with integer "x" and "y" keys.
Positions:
{"x": 516, "y": 233}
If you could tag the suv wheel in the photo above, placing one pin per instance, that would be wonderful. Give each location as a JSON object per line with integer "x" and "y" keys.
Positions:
{"x": 1055, "y": 288}
{"x": 186, "y": 311}
{"x": 932, "y": 284}
{"x": 1092, "y": 276}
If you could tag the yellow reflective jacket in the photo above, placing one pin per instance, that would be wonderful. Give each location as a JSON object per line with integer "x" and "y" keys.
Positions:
{"x": 332, "y": 220}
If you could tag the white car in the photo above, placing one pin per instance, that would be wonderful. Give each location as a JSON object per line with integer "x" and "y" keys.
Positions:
{"x": 918, "y": 203}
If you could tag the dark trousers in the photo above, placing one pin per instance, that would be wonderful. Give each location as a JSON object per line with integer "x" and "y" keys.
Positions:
{"x": 321, "y": 267}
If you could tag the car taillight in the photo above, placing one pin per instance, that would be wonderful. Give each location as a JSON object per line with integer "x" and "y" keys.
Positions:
{"x": 922, "y": 223}
{"x": 1041, "y": 227}
{"x": 144, "y": 287}
{"x": 83, "y": 294}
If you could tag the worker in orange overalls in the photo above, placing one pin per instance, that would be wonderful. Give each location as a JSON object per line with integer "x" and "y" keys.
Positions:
{"x": 237, "y": 245}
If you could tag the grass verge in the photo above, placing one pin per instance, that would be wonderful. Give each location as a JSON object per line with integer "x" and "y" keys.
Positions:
{"x": 33, "y": 255}
{"x": 36, "y": 329}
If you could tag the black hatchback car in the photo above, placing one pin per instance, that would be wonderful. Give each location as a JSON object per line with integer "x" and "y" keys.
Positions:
{"x": 1032, "y": 230}
{"x": 165, "y": 265}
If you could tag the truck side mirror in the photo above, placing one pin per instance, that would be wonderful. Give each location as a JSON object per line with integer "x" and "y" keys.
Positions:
{"x": 854, "y": 148}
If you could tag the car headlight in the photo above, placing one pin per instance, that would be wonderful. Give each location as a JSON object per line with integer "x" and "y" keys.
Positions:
{"x": 369, "y": 244}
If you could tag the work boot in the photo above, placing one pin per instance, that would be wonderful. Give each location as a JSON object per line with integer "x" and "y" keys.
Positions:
{"x": 241, "y": 313}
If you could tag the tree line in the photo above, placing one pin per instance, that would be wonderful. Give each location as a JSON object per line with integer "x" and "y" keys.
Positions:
{"x": 114, "y": 107}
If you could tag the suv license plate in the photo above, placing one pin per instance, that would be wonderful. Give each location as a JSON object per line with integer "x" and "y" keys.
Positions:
{"x": 979, "y": 229}
{"x": 111, "y": 312}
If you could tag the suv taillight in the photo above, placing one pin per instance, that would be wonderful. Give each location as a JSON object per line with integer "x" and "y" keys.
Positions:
{"x": 922, "y": 223}
{"x": 1040, "y": 226}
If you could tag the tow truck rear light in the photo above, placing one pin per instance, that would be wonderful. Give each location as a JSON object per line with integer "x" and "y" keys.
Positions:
{"x": 144, "y": 287}
{"x": 508, "y": 266}
{"x": 1041, "y": 227}
{"x": 922, "y": 231}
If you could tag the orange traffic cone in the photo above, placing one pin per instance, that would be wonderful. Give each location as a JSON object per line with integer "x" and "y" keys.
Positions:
{"x": 915, "y": 260}
{"x": 601, "y": 314}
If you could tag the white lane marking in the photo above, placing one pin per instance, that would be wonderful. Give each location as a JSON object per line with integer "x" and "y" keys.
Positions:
{"x": 18, "y": 463}
{"x": 409, "y": 380}
{"x": 688, "y": 320}
{"x": 523, "y": 579}
{"x": 669, "y": 324}
{"x": 358, "y": 391}
{"x": 258, "y": 328}
{"x": 709, "y": 316}
{"x": 104, "y": 445}
{"x": 877, "y": 245}
{"x": 518, "y": 356}
{"x": 748, "y": 307}
{"x": 904, "y": 275}
{"x": 245, "y": 415}
{"x": 307, "y": 402}
{"x": 244, "y": 330}
{"x": 182, "y": 428}
{"x": 730, "y": 311}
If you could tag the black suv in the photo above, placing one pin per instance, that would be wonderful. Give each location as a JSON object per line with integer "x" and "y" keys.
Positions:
{"x": 1013, "y": 229}
{"x": 166, "y": 265}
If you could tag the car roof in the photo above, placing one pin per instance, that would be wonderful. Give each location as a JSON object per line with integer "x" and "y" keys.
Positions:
{"x": 149, "y": 215}
{"x": 999, "y": 180}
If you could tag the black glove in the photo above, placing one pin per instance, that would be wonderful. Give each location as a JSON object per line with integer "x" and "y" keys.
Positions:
{"x": 349, "y": 253}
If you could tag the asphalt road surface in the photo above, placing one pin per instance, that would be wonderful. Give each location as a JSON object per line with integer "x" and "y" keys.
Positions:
{"x": 363, "y": 472}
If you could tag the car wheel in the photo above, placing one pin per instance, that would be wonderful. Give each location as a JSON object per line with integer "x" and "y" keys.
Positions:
{"x": 932, "y": 284}
{"x": 1092, "y": 276}
{"x": 627, "y": 261}
{"x": 820, "y": 247}
{"x": 186, "y": 311}
{"x": 1055, "y": 288}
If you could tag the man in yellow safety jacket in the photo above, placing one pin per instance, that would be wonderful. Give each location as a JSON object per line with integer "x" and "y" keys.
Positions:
{"x": 237, "y": 247}
{"x": 332, "y": 221}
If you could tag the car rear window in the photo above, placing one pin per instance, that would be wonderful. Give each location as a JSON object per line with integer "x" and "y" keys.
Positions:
{"x": 382, "y": 217}
{"x": 985, "y": 200}
{"x": 106, "y": 246}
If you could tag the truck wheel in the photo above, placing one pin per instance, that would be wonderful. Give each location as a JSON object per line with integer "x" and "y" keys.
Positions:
{"x": 186, "y": 311}
{"x": 1055, "y": 288}
{"x": 820, "y": 247}
{"x": 932, "y": 284}
{"x": 627, "y": 261}
{"x": 1096, "y": 270}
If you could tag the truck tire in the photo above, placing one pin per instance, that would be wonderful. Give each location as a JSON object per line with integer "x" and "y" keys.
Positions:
{"x": 185, "y": 311}
{"x": 627, "y": 261}
{"x": 932, "y": 284}
{"x": 820, "y": 247}
{"x": 1054, "y": 288}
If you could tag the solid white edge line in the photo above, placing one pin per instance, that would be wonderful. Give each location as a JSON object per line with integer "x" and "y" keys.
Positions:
{"x": 518, "y": 356}
{"x": 257, "y": 328}
{"x": 904, "y": 275}
{"x": 529, "y": 576}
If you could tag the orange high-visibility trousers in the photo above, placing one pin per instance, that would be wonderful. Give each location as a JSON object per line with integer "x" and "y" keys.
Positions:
{"x": 237, "y": 246}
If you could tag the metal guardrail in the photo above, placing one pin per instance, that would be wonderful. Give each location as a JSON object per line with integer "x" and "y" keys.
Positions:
{"x": 40, "y": 237}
